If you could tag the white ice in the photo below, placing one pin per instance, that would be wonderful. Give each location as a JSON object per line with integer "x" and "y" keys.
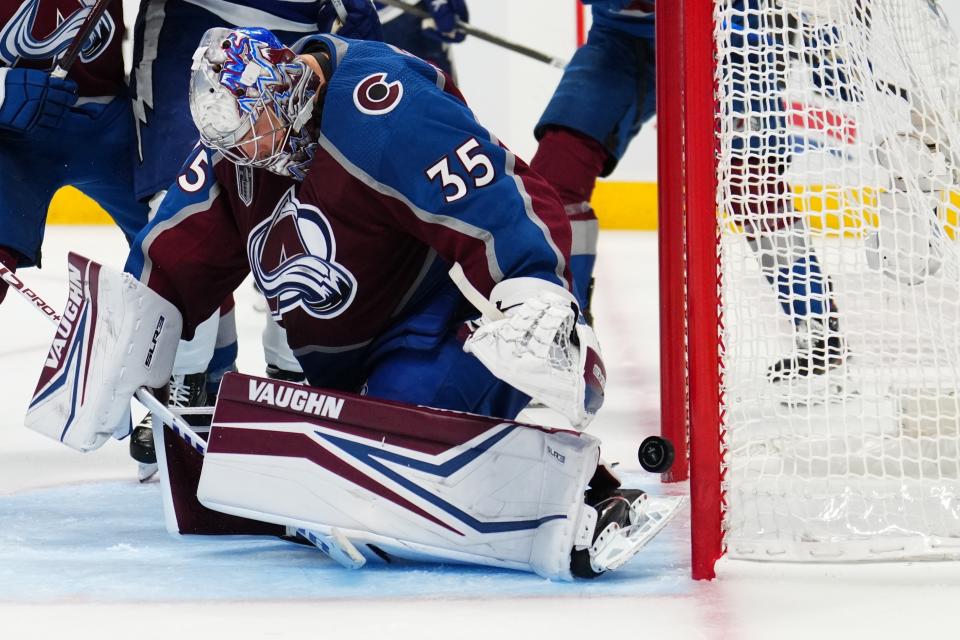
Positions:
{"x": 84, "y": 554}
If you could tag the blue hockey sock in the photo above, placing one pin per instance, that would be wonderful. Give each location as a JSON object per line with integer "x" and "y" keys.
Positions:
{"x": 802, "y": 289}
{"x": 224, "y": 359}
{"x": 581, "y": 267}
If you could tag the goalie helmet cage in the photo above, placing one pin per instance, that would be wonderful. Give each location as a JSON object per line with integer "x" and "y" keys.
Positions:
{"x": 808, "y": 192}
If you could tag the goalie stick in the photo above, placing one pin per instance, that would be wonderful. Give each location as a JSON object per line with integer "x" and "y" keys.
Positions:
{"x": 20, "y": 287}
{"x": 482, "y": 35}
{"x": 336, "y": 546}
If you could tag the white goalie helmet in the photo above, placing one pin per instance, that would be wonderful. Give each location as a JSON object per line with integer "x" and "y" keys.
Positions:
{"x": 250, "y": 99}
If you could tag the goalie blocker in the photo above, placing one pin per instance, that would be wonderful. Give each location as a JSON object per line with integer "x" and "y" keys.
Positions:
{"x": 390, "y": 480}
{"x": 114, "y": 336}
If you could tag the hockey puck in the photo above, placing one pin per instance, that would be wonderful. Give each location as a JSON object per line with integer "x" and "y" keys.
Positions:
{"x": 655, "y": 454}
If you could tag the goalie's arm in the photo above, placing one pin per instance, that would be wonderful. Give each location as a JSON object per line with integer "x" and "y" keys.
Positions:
{"x": 458, "y": 189}
{"x": 192, "y": 253}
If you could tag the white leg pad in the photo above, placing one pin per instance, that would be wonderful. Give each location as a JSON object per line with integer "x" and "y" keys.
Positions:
{"x": 507, "y": 495}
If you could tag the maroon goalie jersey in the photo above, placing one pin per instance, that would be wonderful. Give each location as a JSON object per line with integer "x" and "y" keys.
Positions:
{"x": 36, "y": 33}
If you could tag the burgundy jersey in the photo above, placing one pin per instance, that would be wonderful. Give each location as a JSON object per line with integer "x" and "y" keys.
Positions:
{"x": 36, "y": 33}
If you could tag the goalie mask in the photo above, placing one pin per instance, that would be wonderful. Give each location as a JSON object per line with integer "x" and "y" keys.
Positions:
{"x": 251, "y": 99}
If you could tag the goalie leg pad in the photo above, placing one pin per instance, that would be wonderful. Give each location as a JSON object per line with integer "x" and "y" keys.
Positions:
{"x": 115, "y": 336}
{"x": 414, "y": 482}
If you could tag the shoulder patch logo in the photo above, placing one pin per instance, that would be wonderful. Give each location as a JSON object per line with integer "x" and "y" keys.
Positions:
{"x": 292, "y": 255}
{"x": 375, "y": 96}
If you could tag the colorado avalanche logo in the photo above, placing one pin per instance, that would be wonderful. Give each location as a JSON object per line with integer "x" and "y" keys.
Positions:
{"x": 375, "y": 96}
{"x": 293, "y": 258}
{"x": 17, "y": 39}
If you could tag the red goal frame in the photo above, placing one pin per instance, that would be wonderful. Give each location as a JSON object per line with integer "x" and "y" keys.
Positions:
{"x": 689, "y": 266}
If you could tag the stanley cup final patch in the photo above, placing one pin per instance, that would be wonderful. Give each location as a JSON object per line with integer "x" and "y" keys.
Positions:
{"x": 245, "y": 184}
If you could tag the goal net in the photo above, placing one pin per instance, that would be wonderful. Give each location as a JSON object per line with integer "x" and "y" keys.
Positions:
{"x": 833, "y": 279}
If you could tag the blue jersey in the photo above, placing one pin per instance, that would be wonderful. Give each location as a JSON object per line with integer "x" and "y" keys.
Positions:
{"x": 637, "y": 18}
{"x": 167, "y": 33}
{"x": 404, "y": 182}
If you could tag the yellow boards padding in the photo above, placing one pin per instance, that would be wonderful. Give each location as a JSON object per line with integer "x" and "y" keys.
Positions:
{"x": 620, "y": 205}
{"x": 624, "y": 205}
{"x": 69, "y": 206}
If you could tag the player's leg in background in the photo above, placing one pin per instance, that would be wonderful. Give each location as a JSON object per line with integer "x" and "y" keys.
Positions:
{"x": 225, "y": 349}
{"x": 282, "y": 364}
{"x": 605, "y": 95}
{"x": 761, "y": 199}
{"x": 105, "y": 173}
{"x": 29, "y": 176}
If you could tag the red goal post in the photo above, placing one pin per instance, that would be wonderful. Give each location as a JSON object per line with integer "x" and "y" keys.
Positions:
{"x": 687, "y": 227}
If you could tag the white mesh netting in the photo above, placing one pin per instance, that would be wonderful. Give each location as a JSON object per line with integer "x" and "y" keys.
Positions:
{"x": 839, "y": 155}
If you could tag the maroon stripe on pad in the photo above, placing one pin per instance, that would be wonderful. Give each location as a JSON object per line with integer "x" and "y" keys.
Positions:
{"x": 262, "y": 442}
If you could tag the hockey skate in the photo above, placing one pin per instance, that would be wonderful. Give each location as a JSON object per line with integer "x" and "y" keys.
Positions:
{"x": 820, "y": 348}
{"x": 627, "y": 519}
{"x": 276, "y": 373}
{"x": 186, "y": 390}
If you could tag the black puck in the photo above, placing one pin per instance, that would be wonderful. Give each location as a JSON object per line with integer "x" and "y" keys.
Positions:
{"x": 655, "y": 454}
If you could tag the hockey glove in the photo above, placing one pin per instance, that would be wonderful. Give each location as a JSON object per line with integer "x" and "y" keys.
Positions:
{"x": 115, "y": 336}
{"x": 444, "y": 25}
{"x": 540, "y": 348}
{"x": 31, "y": 99}
{"x": 358, "y": 19}
{"x": 9, "y": 258}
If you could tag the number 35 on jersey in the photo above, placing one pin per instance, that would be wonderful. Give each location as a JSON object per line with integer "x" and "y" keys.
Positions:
{"x": 477, "y": 171}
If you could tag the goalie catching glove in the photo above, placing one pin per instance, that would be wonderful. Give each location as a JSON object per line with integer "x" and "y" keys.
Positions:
{"x": 115, "y": 336}
{"x": 538, "y": 346}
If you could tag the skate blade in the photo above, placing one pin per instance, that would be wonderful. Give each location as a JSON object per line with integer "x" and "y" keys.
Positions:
{"x": 146, "y": 471}
{"x": 616, "y": 546}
